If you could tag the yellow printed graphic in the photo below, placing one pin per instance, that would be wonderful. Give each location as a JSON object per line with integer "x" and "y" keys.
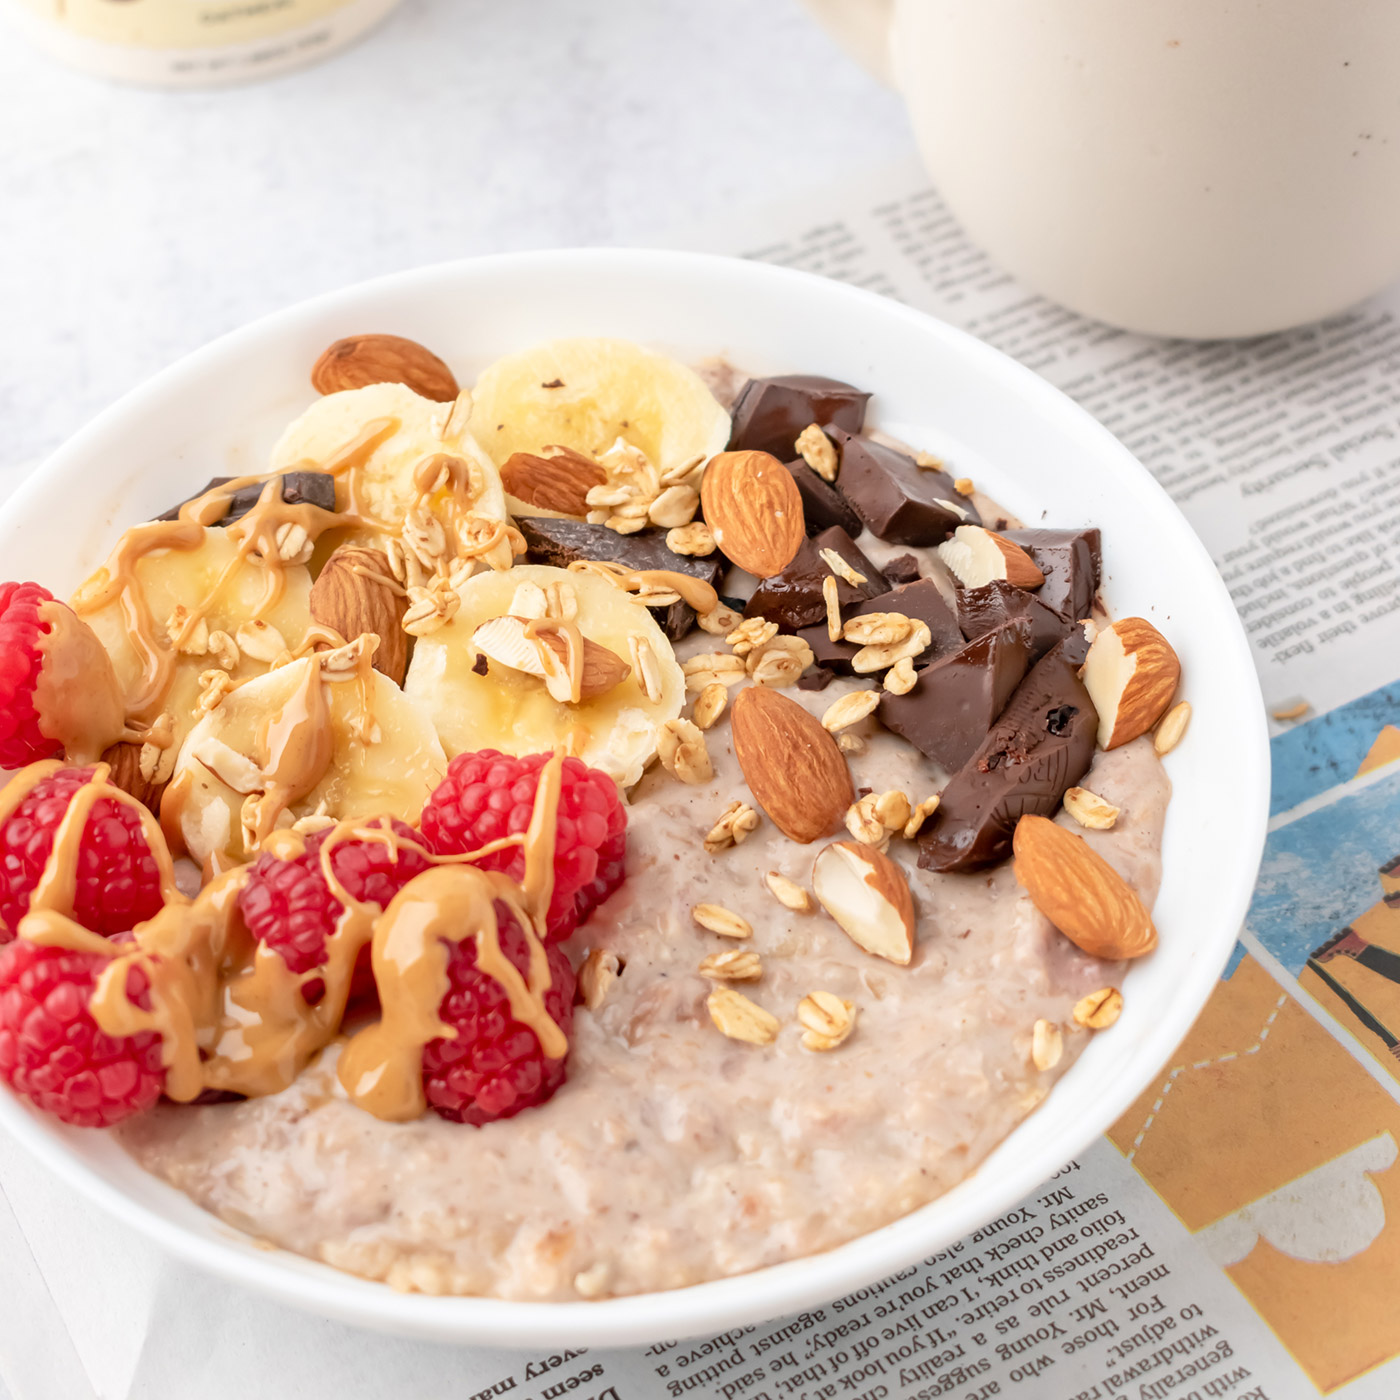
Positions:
{"x": 1385, "y": 750}
{"x": 1279, "y": 1152}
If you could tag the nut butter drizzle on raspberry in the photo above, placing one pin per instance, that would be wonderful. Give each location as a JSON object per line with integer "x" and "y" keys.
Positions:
{"x": 57, "y": 885}
{"x": 76, "y": 694}
{"x": 231, "y": 1014}
{"x": 50, "y": 922}
{"x": 381, "y": 1068}
{"x": 255, "y": 536}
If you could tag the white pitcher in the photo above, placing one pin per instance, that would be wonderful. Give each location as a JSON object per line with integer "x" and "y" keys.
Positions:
{"x": 1182, "y": 167}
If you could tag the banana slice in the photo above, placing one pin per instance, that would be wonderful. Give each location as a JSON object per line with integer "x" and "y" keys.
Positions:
{"x": 294, "y": 743}
{"x": 586, "y": 394}
{"x": 175, "y": 579}
{"x": 511, "y": 710}
{"x": 381, "y": 481}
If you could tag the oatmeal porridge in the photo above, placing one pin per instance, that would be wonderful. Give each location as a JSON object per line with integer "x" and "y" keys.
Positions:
{"x": 601, "y": 831}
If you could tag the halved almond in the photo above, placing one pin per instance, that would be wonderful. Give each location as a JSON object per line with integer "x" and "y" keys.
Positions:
{"x": 754, "y": 510}
{"x": 978, "y": 556}
{"x": 791, "y": 764}
{"x": 1131, "y": 674}
{"x": 558, "y": 482}
{"x": 360, "y": 360}
{"x": 867, "y": 894}
{"x": 505, "y": 641}
{"x": 1080, "y": 892}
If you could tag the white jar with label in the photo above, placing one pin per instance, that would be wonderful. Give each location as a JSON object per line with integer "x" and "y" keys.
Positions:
{"x": 193, "y": 43}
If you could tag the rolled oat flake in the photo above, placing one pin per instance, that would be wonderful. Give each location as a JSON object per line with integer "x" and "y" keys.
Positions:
{"x": 193, "y": 43}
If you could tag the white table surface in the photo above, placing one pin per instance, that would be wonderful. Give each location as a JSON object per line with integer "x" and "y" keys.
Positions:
{"x": 136, "y": 225}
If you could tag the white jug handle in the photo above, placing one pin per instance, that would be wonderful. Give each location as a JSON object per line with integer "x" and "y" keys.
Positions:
{"x": 862, "y": 28}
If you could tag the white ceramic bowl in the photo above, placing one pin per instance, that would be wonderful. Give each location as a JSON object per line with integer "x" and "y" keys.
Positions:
{"x": 218, "y": 411}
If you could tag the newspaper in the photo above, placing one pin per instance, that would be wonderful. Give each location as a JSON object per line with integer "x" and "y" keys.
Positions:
{"x": 1237, "y": 1233}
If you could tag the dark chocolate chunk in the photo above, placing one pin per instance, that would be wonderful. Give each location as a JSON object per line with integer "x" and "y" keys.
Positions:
{"x": 899, "y": 500}
{"x": 982, "y": 609}
{"x": 815, "y": 678}
{"x": 561, "y": 542}
{"x": 1075, "y": 647}
{"x": 903, "y": 568}
{"x": 822, "y": 506}
{"x": 955, "y": 701}
{"x": 921, "y": 599}
{"x": 298, "y": 488}
{"x": 793, "y": 597}
{"x": 769, "y": 414}
{"x": 1070, "y": 561}
{"x": 1041, "y": 745}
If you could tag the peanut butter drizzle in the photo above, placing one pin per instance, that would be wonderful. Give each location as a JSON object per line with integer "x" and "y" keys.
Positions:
{"x": 381, "y": 1069}
{"x": 183, "y": 952}
{"x": 568, "y": 667}
{"x": 233, "y": 1016}
{"x": 76, "y": 694}
{"x": 293, "y": 749}
{"x": 694, "y": 591}
{"x": 256, "y": 537}
{"x": 173, "y": 802}
{"x": 120, "y": 584}
{"x": 354, "y": 454}
{"x": 22, "y": 784}
{"x": 57, "y": 884}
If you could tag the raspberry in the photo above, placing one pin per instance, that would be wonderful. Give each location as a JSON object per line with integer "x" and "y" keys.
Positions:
{"x": 51, "y": 1050}
{"x": 488, "y": 795}
{"x": 612, "y": 871}
{"x": 495, "y": 1065}
{"x": 288, "y": 905}
{"x": 118, "y": 877}
{"x": 20, "y": 662}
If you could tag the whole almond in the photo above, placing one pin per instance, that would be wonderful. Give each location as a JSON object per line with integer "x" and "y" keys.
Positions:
{"x": 1131, "y": 674}
{"x": 754, "y": 510}
{"x": 125, "y": 763}
{"x": 359, "y": 360}
{"x": 355, "y": 593}
{"x": 792, "y": 765}
{"x": 560, "y": 482}
{"x": 1080, "y": 892}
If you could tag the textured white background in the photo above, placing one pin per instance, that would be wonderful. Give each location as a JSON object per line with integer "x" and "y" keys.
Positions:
{"x": 136, "y": 225}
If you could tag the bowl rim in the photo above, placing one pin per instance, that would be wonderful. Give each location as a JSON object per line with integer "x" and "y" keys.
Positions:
{"x": 744, "y": 1298}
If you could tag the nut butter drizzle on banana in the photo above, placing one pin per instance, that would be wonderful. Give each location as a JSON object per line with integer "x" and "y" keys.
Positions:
{"x": 695, "y": 591}
{"x": 293, "y": 749}
{"x": 234, "y": 1017}
{"x": 563, "y": 675}
{"x": 256, "y": 536}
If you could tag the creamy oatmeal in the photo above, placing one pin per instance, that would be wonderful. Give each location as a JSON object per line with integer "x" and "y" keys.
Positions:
{"x": 844, "y": 820}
